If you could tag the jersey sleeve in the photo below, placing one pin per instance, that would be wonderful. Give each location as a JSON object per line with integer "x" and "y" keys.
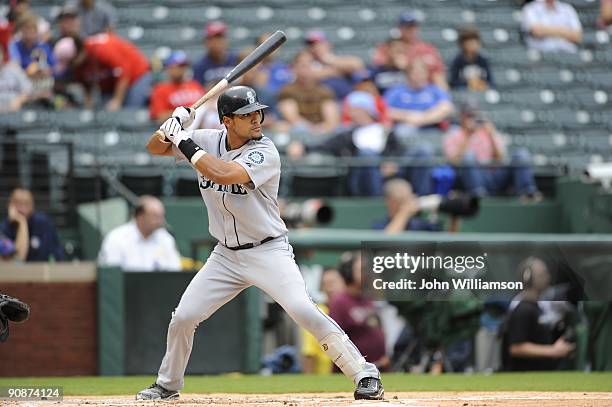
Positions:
{"x": 261, "y": 162}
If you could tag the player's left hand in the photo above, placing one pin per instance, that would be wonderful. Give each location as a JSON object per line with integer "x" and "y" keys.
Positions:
{"x": 185, "y": 116}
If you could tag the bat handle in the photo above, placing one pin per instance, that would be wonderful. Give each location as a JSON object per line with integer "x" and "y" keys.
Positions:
{"x": 215, "y": 91}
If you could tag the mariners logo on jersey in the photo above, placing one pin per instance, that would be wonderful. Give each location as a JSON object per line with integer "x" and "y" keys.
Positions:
{"x": 256, "y": 156}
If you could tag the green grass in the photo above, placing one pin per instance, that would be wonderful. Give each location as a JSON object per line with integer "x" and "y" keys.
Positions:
{"x": 236, "y": 383}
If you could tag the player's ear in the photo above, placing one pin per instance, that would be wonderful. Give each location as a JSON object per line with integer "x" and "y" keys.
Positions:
{"x": 226, "y": 120}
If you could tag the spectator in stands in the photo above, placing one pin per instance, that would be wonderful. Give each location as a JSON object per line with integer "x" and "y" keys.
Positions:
{"x": 392, "y": 70}
{"x": 357, "y": 315}
{"x": 19, "y": 8}
{"x": 68, "y": 22}
{"x": 363, "y": 81}
{"x": 218, "y": 60}
{"x": 605, "y": 14}
{"x": 176, "y": 91}
{"x": 418, "y": 104}
{"x": 6, "y": 32}
{"x": 551, "y": 26}
{"x": 25, "y": 224}
{"x": 331, "y": 69}
{"x": 402, "y": 210}
{"x": 408, "y": 25}
{"x": 476, "y": 143}
{"x": 142, "y": 244}
{"x": 96, "y": 16}
{"x": 470, "y": 69}
{"x": 305, "y": 105}
{"x": 15, "y": 87}
{"x": 272, "y": 74}
{"x": 366, "y": 137}
{"x": 36, "y": 58}
{"x": 314, "y": 359}
{"x": 27, "y": 48}
{"x": 529, "y": 343}
{"x": 419, "y": 110}
{"x": 106, "y": 61}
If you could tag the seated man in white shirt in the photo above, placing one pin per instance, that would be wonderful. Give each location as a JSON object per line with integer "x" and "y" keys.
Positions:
{"x": 142, "y": 244}
{"x": 551, "y": 26}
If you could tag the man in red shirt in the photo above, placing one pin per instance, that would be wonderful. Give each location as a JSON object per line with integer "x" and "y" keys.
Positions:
{"x": 357, "y": 315}
{"x": 408, "y": 26}
{"x": 176, "y": 91}
{"x": 107, "y": 61}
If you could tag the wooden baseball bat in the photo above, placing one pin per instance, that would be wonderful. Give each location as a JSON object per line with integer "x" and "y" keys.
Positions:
{"x": 256, "y": 56}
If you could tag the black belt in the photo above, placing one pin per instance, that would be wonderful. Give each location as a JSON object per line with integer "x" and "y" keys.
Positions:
{"x": 251, "y": 245}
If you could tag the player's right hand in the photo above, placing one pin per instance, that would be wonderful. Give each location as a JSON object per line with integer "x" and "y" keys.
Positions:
{"x": 185, "y": 116}
{"x": 171, "y": 127}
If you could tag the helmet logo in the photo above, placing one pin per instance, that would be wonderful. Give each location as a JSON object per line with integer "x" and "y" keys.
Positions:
{"x": 250, "y": 97}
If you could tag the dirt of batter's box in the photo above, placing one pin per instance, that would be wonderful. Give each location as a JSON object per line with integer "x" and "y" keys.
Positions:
{"x": 424, "y": 399}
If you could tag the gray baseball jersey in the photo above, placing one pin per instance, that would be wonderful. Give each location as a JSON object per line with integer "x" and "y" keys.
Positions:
{"x": 241, "y": 214}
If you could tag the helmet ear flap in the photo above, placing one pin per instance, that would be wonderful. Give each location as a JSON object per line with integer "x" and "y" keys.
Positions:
{"x": 262, "y": 116}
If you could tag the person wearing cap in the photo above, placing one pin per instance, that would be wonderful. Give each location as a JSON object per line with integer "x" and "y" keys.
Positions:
{"x": 409, "y": 34}
{"x": 218, "y": 60}
{"x": 23, "y": 223}
{"x": 392, "y": 71}
{"x": 332, "y": 70}
{"x": 470, "y": 69}
{"x": 68, "y": 22}
{"x": 474, "y": 145}
{"x": 114, "y": 65}
{"x": 363, "y": 81}
{"x": 366, "y": 137}
{"x": 307, "y": 106}
{"x": 176, "y": 91}
{"x": 96, "y": 16}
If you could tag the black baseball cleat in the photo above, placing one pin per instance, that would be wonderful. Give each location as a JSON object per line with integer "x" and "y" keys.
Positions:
{"x": 157, "y": 392}
{"x": 369, "y": 388}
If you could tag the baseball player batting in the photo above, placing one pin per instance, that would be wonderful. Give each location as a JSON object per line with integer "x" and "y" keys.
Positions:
{"x": 238, "y": 176}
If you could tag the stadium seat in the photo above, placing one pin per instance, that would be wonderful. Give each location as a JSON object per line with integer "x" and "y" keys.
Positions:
{"x": 318, "y": 182}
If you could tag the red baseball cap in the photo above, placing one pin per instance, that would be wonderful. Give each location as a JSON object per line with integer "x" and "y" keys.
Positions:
{"x": 215, "y": 28}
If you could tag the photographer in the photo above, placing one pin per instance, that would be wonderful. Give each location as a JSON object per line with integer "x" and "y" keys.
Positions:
{"x": 474, "y": 145}
{"x": 530, "y": 342}
{"x": 404, "y": 208}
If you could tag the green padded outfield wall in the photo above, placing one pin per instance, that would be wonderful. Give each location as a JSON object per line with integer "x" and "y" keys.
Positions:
{"x": 229, "y": 341}
{"x": 134, "y": 312}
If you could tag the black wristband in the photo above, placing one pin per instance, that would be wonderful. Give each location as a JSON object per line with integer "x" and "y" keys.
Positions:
{"x": 188, "y": 147}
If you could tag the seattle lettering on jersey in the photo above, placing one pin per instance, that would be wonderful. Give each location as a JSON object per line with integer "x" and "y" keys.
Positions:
{"x": 235, "y": 189}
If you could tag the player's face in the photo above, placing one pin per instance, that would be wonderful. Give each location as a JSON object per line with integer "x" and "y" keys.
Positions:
{"x": 247, "y": 126}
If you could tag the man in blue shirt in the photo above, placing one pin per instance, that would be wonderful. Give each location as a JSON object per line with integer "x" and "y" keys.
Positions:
{"x": 419, "y": 110}
{"x": 219, "y": 60}
{"x": 44, "y": 243}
